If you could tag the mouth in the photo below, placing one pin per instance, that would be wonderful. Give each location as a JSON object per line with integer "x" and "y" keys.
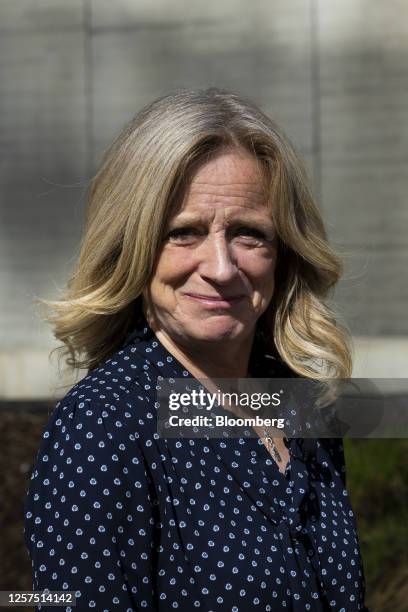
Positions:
{"x": 215, "y": 301}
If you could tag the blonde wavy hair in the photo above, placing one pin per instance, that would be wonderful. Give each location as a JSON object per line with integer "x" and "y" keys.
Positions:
{"x": 130, "y": 199}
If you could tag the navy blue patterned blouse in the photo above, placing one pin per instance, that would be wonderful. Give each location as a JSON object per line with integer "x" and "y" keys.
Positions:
{"x": 131, "y": 521}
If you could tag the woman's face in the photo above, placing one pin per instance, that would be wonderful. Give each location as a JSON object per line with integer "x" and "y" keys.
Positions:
{"x": 215, "y": 273}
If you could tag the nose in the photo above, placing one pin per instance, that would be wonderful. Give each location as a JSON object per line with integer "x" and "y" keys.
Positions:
{"x": 218, "y": 263}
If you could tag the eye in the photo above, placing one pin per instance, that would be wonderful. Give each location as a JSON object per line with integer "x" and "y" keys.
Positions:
{"x": 183, "y": 234}
{"x": 251, "y": 233}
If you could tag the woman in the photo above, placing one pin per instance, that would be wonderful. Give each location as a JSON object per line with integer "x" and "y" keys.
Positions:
{"x": 204, "y": 256}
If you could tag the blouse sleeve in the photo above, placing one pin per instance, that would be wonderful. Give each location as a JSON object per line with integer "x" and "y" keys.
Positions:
{"x": 89, "y": 512}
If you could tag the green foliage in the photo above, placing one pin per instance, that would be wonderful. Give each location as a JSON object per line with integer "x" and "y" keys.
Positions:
{"x": 377, "y": 480}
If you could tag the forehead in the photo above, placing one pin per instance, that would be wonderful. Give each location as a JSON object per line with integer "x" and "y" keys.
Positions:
{"x": 230, "y": 166}
{"x": 232, "y": 178}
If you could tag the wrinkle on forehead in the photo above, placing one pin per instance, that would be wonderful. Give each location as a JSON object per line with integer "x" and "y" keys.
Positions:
{"x": 228, "y": 211}
{"x": 232, "y": 175}
{"x": 196, "y": 201}
{"x": 233, "y": 179}
{"x": 225, "y": 215}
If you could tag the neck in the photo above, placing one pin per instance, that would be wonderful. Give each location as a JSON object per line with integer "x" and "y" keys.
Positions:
{"x": 225, "y": 361}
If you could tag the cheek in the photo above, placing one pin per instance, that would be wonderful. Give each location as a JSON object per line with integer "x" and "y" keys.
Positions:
{"x": 172, "y": 267}
{"x": 259, "y": 267}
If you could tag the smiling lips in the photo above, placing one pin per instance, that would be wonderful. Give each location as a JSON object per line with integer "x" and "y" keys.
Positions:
{"x": 215, "y": 301}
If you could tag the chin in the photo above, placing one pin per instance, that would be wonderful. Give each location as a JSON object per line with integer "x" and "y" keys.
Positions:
{"x": 216, "y": 328}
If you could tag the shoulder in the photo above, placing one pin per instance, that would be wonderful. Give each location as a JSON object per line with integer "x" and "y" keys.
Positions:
{"x": 113, "y": 402}
{"x": 126, "y": 379}
{"x": 128, "y": 370}
{"x": 97, "y": 428}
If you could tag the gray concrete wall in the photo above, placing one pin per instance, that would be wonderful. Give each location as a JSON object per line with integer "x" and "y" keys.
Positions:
{"x": 363, "y": 97}
{"x": 334, "y": 74}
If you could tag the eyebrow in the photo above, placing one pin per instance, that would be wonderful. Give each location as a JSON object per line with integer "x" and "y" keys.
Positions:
{"x": 241, "y": 219}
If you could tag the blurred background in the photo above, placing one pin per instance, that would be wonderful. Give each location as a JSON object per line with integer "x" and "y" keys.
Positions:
{"x": 333, "y": 73}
